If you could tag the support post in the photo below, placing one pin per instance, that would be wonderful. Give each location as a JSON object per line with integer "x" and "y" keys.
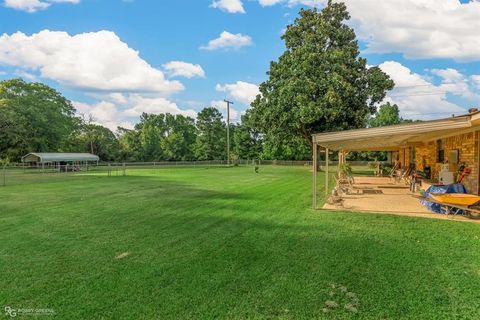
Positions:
{"x": 4, "y": 175}
{"x": 314, "y": 173}
{"x": 326, "y": 172}
{"x": 228, "y": 129}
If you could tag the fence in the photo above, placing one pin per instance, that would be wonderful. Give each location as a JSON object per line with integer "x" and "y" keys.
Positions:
{"x": 16, "y": 174}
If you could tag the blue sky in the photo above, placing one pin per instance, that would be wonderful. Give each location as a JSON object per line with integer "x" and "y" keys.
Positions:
{"x": 195, "y": 53}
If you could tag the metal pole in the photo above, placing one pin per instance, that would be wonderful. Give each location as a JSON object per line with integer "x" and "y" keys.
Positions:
{"x": 228, "y": 130}
{"x": 314, "y": 168}
{"x": 326, "y": 173}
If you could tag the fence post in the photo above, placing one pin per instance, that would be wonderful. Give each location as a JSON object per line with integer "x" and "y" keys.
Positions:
{"x": 4, "y": 175}
{"x": 124, "y": 170}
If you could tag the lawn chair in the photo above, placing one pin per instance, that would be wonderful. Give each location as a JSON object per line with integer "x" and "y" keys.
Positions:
{"x": 335, "y": 199}
{"x": 343, "y": 185}
{"x": 394, "y": 173}
{"x": 407, "y": 176}
{"x": 346, "y": 176}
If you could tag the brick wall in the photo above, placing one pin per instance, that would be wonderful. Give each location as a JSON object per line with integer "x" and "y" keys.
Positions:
{"x": 427, "y": 155}
{"x": 467, "y": 146}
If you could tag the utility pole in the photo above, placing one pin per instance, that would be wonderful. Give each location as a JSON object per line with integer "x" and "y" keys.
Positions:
{"x": 228, "y": 129}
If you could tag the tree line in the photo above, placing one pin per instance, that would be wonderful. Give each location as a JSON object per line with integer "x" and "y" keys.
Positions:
{"x": 319, "y": 84}
{"x": 36, "y": 118}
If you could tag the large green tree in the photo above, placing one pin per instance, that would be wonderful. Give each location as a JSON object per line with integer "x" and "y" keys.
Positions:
{"x": 34, "y": 118}
{"x": 99, "y": 140}
{"x": 320, "y": 83}
{"x": 247, "y": 143}
{"x": 386, "y": 115}
{"x": 159, "y": 137}
{"x": 151, "y": 129}
{"x": 130, "y": 146}
{"x": 211, "y": 138}
{"x": 179, "y": 139}
{"x": 281, "y": 147}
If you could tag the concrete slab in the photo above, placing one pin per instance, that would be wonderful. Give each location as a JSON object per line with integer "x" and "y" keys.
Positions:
{"x": 383, "y": 195}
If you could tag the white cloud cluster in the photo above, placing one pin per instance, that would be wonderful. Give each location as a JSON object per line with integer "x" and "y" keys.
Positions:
{"x": 34, "y": 5}
{"x": 97, "y": 61}
{"x": 476, "y": 80}
{"x": 103, "y": 113}
{"x": 184, "y": 69}
{"x": 418, "y": 97}
{"x": 240, "y": 91}
{"x": 228, "y": 40}
{"x": 419, "y": 29}
{"x": 222, "y": 107}
{"x": 291, "y": 3}
{"x": 122, "y": 110}
{"x": 230, "y": 6}
{"x": 454, "y": 82}
{"x": 138, "y": 104}
{"x": 103, "y": 67}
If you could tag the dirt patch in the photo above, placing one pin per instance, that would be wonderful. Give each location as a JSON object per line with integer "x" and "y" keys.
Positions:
{"x": 123, "y": 255}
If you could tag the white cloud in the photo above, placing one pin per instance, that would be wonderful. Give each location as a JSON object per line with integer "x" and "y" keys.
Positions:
{"x": 454, "y": 82}
{"x": 25, "y": 75}
{"x": 117, "y": 109}
{"x": 103, "y": 113}
{"x": 240, "y": 91}
{"x": 184, "y": 69}
{"x": 291, "y": 3}
{"x": 228, "y": 40}
{"x": 138, "y": 104}
{"x": 417, "y": 97}
{"x": 476, "y": 80}
{"x": 419, "y": 29}
{"x": 230, "y": 6}
{"x": 34, "y": 5}
{"x": 97, "y": 61}
{"x": 222, "y": 107}
{"x": 267, "y": 3}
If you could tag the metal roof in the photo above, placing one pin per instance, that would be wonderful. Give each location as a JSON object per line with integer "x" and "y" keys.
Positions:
{"x": 59, "y": 157}
{"x": 393, "y": 137}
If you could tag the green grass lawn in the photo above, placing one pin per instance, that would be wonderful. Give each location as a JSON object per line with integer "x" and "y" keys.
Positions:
{"x": 225, "y": 243}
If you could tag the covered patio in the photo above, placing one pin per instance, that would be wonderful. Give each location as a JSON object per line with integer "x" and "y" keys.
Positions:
{"x": 379, "y": 194}
{"x": 415, "y": 146}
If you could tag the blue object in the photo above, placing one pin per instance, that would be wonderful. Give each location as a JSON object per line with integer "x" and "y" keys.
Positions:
{"x": 449, "y": 188}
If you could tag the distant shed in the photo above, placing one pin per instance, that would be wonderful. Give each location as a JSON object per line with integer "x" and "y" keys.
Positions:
{"x": 57, "y": 158}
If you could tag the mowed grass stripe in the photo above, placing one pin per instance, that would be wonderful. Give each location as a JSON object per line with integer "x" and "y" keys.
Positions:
{"x": 224, "y": 243}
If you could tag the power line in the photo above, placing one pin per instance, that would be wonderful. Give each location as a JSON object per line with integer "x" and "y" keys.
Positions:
{"x": 426, "y": 93}
{"x": 421, "y": 94}
{"x": 428, "y": 85}
{"x": 228, "y": 129}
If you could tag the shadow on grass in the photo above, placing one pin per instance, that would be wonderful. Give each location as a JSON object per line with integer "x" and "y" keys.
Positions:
{"x": 200, "y": 253}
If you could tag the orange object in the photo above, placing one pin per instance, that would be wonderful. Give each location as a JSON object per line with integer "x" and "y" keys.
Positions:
{"x": 456, "y": 198}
